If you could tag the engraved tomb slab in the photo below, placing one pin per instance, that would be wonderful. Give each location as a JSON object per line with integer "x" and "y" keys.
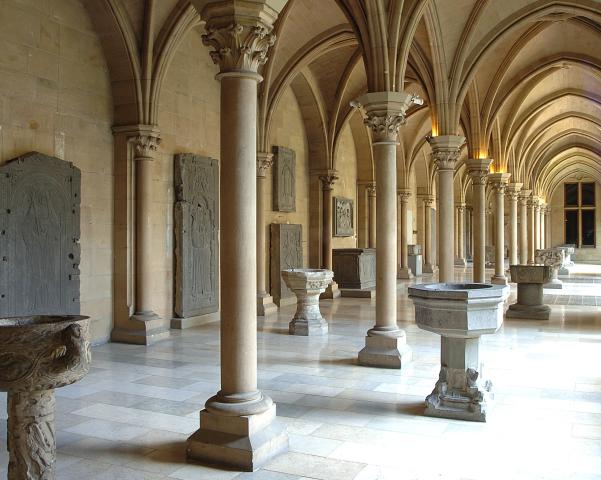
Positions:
{"x": 39, "y": 236}
{"x": 286, "y": 253}
{"x": 196, "y": 235}
{"x": 284, "y": 179}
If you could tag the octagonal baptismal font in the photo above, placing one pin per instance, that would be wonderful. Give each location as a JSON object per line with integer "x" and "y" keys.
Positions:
{"x": 37, "y": 355}
{"x": 307, "y": 284}
{"x": 460, "y": 313}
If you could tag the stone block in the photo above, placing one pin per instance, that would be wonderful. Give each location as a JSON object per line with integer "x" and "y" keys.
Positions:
{"x": 415, "y": 263}
{"x": 530, "y": 280}
{"x": 354, "y": 267}
{"x": 284, "y": 179}
{"x": 286, "y": 252}
{"x": 196, "y": 237}
{"x": 39, "y": 236}
{"x": 555, "y": 258}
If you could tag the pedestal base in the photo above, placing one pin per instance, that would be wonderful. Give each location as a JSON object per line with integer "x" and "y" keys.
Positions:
{"x": 460, "y": 262}
{"x": 358, "y": 292}
{"x": 147, "y": 328}
{"x": 332, "y": 291}
{"x": 189, "y": 322}
{"x": 430, "y": 268}
{"x": 265, "y": 306}
{"x": 307, "y": 328}
{"x": 404, "y": 274}
{"x": 385, "y": 351}
{"x": 528, "y": 312}
{"x": 499, "y": 280}
{"x": 554, "y": 284}
{"x": 240, "y": 442}
{"x": 467, "y": 403}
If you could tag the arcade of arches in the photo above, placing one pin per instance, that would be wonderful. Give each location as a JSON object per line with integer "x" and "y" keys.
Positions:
{"x": 469, "y": 127}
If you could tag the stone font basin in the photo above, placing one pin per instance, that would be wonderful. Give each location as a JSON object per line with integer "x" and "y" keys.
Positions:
{"x": 307, "y": 284}
{"x": 37, "y": 355}
{"x": 460, "y": 313}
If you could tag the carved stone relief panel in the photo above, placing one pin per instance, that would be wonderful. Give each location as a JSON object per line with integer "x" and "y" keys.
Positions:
{"x": 196, "y": 235}
{"x": 39, "y": 236}
{"x": 286, "y": 252}
{"x": 284, "y": 179}
{"x": 344, "y": 225}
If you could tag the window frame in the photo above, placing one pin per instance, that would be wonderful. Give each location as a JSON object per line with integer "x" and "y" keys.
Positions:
{"x": 580, "y": 208}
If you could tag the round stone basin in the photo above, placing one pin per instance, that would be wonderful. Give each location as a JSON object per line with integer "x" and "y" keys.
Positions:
{"x": 43, "y": 352}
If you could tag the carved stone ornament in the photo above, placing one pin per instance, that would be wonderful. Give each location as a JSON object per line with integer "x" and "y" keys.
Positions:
{"x": 512, "y": 195}
{"x": 343, "y": 217}
{"x": 428, "y": 201}
{"x": 404, "y": 196}
{"x": 284, "y": 179}
{"x": 446, "y": 158}
{"x": 328, "y": 181}
{"x": 385, "y": 127}
{"x": 264, "y": 163}
{"x": 371, "y": 190}
{"x": 239, "y": 48}
{"x": 146, "y": 146}
{"x": 37, "y": 355}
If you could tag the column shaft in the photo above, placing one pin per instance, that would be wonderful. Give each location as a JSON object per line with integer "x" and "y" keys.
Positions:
{"x": 499, "y": 182}
{"x": 523, "y": 198}
{"x": 461, "y": 235}
{"x": 531, "y": 230}
{"x": 371, "y": 192}
{"x": 512, "y": 194}
{"x": 478, "y": 169}
{"x": 446, "y": 260}
{"x": 402, "y": 230}
{"x": 144, "y": 209}
{"x": 428, "y": 257}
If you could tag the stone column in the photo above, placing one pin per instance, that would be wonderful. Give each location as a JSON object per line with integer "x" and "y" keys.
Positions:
{"x": 513, "y": 190}
{"x": 537, "y": 225}
{"x": 499, "y": 181}
{"x": 144, "y": 327}
{"x": 548, "y": 226}
{"x": 327, "y": 182}
{"x": 404, "y": 271}
{"x": 460, "y": 260}
{"x": 532, "y": 203}
{"x": 385, "y": 344}
{"x": 543, "y": 245}
{"x": 523, "y": 198}
{"x": 265, "y": 305}
{"x": 238, "y": 426}
{"x": 478, "y": 169}
{"x": 445, "y": 152}
{"x": 371, "y": 194}
{"x": 429, "y": 266}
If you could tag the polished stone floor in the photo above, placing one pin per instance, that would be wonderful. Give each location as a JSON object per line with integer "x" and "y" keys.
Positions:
{"x": 129, "y": 418}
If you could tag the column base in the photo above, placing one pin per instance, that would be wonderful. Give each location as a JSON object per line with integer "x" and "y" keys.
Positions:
{"x": 528, "y": 312}
{"x": 358, "y": 292}
{"x": 460, "y": 262}
{"x": 564, "y": 271}
{"x": 385, "y": 350}
{"x": 467, "y": 403}
{"x": 404, "y": 274}
{"x": 554, "y": 284}
{"x": 147, "y": 328}
{"x": 499, "y": 280}
{"x": 427, "y": 268}
{"x": 265, "y": 305}
{"x": 244, "y": 442}
{"x": 332, "y": 291}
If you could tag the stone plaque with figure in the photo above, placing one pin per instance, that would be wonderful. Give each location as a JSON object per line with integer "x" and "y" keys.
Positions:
{"x": 284, "y": 179}
{"x": 343, "y": 217}
{"x": 286, "y": 252}
{"x": 196, "y": 235}
{"x": 39, "y": 236}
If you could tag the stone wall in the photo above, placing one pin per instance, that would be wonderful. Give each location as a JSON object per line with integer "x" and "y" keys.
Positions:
{"x": 189, "y": 122}
{"x": 55, "y": 98}
{"x": 346, "y": 186}
{"x": 288, "y": 130}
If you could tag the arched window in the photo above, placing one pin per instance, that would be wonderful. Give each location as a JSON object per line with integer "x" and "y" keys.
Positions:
{"x": 579, "y": 214}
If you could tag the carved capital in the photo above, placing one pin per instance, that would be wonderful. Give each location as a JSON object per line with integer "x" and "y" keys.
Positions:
{"x": 446, "y": 150}
{"x": 371, "y": 190}
{"x": 478, "y": 169}
{"x": 264, "y": 163}
{"x": 404, "y": 195}
{"x": 328, "y": 180}
{"x": 461, "y": 207}
{"x": 533, "y": 202}
{"x": 146, "y": 146}
{"x": 428, "y": 201}
{"x": 239, "y": 47}
{"x": 384, "y": 113}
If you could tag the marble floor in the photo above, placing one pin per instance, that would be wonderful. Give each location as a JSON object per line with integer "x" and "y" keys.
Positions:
{"x": 129, "y": 418}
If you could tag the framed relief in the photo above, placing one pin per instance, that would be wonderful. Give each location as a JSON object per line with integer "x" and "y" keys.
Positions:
{"x": 284, "y": 179}
{"x": 343, "y": 217}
